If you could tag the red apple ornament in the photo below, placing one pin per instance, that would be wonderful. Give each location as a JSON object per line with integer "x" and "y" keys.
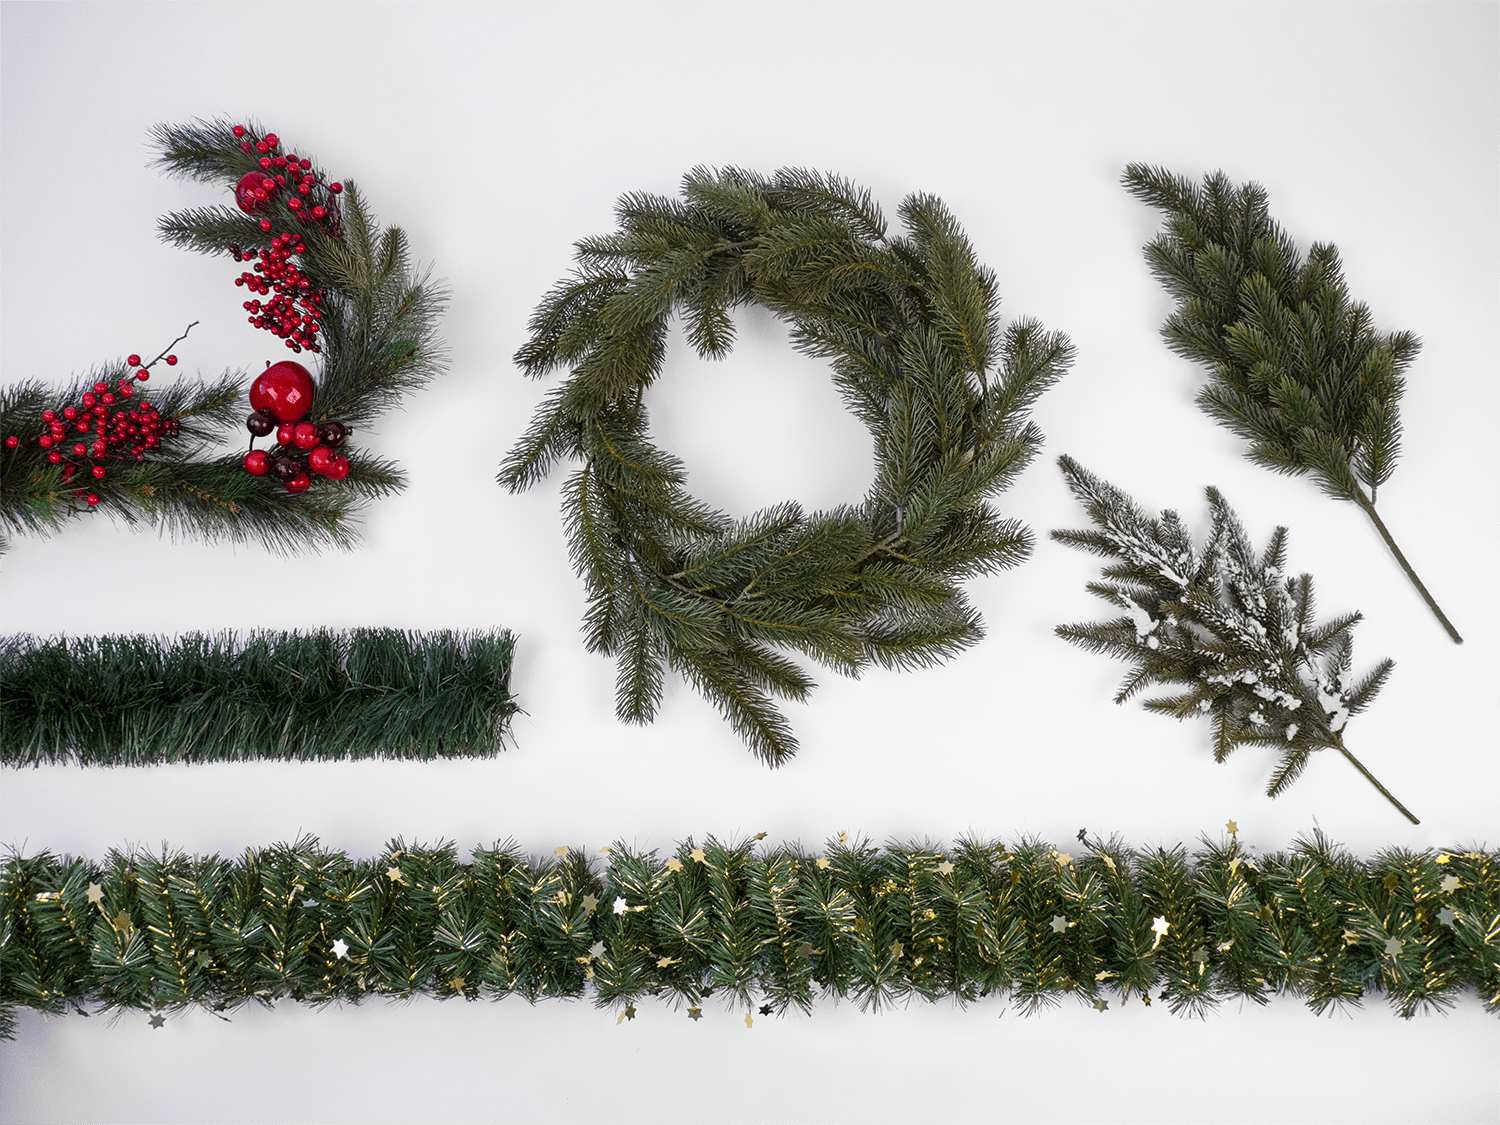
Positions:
{"x": 285, "y": 389}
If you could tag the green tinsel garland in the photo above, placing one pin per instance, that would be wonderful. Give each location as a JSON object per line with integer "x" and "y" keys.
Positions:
{"x": 366, "y": 693}
{"x": 778, "y": 927}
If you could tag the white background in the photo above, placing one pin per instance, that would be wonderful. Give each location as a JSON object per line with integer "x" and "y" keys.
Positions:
{"x": 498, "y": 135}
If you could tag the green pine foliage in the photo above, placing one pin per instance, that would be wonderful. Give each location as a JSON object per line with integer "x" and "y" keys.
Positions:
{"x": 366, "y": 693}
{"x": 379, "y": 343}
{"x": 1296, "y": 367}
{"x": 910, "y": 325}
{"x": 1225, "y": 624}
{"x": 777, "y": 928}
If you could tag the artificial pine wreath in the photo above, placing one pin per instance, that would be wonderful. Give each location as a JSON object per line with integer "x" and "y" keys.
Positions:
{"x": 1296, "y": 368}
{"x": 367, "y": 693}
{"x": 773, "y": 928}
{"x": 340, "y": 287}
{"x": 911, "y": 327}
{"x": 1227, "y": 625}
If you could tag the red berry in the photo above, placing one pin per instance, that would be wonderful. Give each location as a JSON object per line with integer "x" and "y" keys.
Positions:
{"x": 335, "y": 187}
{"x": 318, "y": 212}
{"x": 299, "y": 483}
{"x": 257, "y": 464}
{"x": 272, "y": 139}
{"x": 12, "y": 442}
{"x": 133, "y": 360}
{"x": 143, "y": 375}
{"x": 265, "y": 225}
{"x": 284, "y": 435}
{"x": 45, "y": 441}
{"x": 304, "y": 435}
{"x": 251, "y": 193}
{"x": 92, "y": 499}
{"x": 54, "y": 457}
{"x": 98, "y": 471}
{"x": 100, "y": 388}
{"x": 338, "y": 468}
{"x": 171, "y": 361}
{"x": 320, "y": 459}
{"x": 238, "y": 130}
{"x": 80, "y": 449}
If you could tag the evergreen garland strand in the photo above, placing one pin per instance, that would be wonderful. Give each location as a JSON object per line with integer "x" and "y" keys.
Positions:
{"x": 778, "y": 927}
{"x": 366, "y": 693}
{"x": 1295, "y": 366}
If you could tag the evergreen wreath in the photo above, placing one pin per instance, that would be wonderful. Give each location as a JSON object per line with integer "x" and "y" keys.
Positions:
{"x": 774, "y": 928}
{"x": 911, "y": 327}
{"x": 366, "y": 693}
{"x": 1296, "y": 368}
{"x": 343, "y": 288}
{"x": 1224, "y": 624}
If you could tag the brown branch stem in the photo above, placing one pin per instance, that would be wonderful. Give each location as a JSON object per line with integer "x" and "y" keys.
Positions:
{"x": 1338, "y": 744}
{"x": 1369, "y": 508}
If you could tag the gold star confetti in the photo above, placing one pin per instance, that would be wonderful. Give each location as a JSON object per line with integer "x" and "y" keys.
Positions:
{"x": 1393, "y": 947}
{"x": 1351, "y": 938}
{"x": 945, "y": 868}
{"x": 457, "y": 983}
{"x": 1451, "y": 883}
{"x": 589, "y": 903}
{"x": 748, "y": 1021}
{"x": 1200, "y": 955}
{"x": 1234, "y": 865}
{"x": 95, "y": 893}
{"x": 122, "y": 922}
{"x": 823, "y": 864}
{"x": 156, "y": 1021}
{"x": 1101, "y": 1005}
{"x": 627, "y": 1014}
{"x": 340, "y": 949}
{"x": 897, "y": 949}
{"x": 1064, "y": 859}
{"x": 1146, "y": 999}
{"x": 1059, "y": 923}
{"x": 561, "y": 852}
{"x": 395, "y": 875}
{"x": 596, "y": 950}
{"x": 674, "y": 864}
{"x": 695, "y": 1013}
{"x": 1161, "y": 926}
{"x": 804, "y": 949}
{"x": 1232, "y": 828}
{"x": 665, "y": 962}
{"x": 1444, "y": 858}
{"x": 1446, "y": 916}
{"x": 620, "y": 906}
{"x": 697, "y": 856}
{"x": 1109, "y": 861}
{"x": 843, "y": 839}
{"x": 759, "y": 836}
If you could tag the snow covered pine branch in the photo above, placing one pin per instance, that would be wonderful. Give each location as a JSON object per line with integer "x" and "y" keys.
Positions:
{"x": 1226, "y": 625}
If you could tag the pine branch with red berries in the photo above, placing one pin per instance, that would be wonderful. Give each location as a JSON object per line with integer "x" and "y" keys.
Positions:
{"x": 324, "y": 277}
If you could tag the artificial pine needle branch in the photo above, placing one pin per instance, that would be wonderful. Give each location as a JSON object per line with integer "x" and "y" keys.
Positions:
{"x": 1295, "y": 367}
{"x": 1225, "y": 624}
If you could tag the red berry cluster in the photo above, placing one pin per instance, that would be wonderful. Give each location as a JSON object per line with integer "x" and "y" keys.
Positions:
{"x": 282, "y": 396}
{"x": 310, "y": 200}
{"x": 279, "y": 274}
{"x": 317, "y": 440}
{"x": 121, "y": 430}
